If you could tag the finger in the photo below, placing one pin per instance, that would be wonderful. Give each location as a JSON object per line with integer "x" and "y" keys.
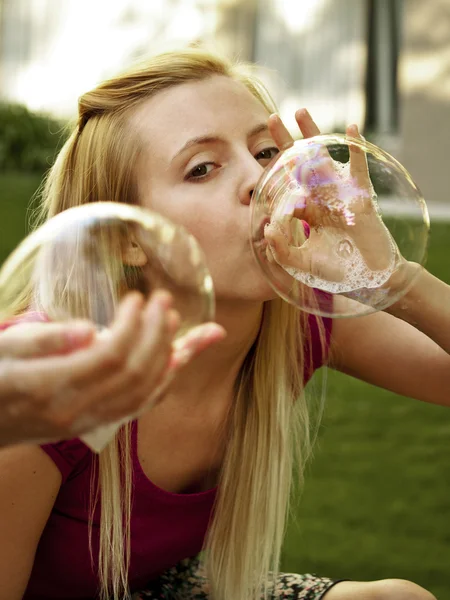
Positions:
{"x": 143, "y": 368}
{"x": 269, "y": 255}
{"x": 158, "y": 329}
{"x": 27, "y": 340}
{"x": 128, "y": 393}
{"x": 320, "y": 163}
{"x": 120, "y": 335}
{"x": 306, "y": 123}
{"x": 285, "y": 254}
{"x": 173, "y": 321}
{"x": 317, "y": 170}
{"x": 298, "y": 258}
{"x": 279, "y": 133}
{"x": 359, "y": 169}
{"x": 194, "y": 343}
{"x": 123, "y": 394}
{"x": 105, "y": 355}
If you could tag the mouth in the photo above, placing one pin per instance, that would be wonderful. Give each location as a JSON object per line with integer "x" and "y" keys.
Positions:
{"x": 260, "y": 245}
{"x": 259, "y": 237}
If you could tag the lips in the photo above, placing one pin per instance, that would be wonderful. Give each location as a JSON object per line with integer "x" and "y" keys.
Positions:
{"x": 260, "y": 231}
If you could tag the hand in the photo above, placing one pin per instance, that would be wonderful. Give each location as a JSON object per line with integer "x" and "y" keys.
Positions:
{"x": 348, "y": 242}
{"x": 58, "y": 381}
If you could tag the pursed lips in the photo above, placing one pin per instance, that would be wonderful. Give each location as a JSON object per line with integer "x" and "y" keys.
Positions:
{"x": 260, "y": 232}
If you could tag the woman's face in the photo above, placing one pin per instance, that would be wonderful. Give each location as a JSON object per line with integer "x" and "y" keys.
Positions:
{"x": 208, "y": 144}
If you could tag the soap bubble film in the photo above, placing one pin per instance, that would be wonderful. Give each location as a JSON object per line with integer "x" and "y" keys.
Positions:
{"x": 81, "y": 262}
{"x": 340, "y": 216}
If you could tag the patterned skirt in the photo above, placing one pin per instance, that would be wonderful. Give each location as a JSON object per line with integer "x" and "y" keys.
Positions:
{"x": 187, "y": 581}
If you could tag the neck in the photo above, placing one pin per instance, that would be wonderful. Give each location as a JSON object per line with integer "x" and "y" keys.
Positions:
{"x": 218, "y": 367}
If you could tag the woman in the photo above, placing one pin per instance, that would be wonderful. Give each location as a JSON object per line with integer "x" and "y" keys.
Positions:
{"x": 188, "y": 135}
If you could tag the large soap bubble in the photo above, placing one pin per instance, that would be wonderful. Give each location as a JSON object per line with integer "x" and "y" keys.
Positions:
{"x": 80, "y": 263}
{"x": 338, "y": 215}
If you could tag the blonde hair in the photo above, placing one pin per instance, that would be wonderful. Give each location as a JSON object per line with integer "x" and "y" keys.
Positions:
{"x": 270, "y": 420}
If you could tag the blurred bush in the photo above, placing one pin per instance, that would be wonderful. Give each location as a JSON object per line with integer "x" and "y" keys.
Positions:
{"x": 28, "y": 141}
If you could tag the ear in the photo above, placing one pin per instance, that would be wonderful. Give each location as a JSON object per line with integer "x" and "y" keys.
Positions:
{"x": 134, "y": 256}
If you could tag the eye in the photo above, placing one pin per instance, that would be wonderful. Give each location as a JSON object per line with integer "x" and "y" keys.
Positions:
{"x": 267, "y": 154}
{"x": 200, "y": 171}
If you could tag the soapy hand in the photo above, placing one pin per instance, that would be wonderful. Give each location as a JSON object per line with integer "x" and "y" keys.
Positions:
{"x": 348, "y": 246}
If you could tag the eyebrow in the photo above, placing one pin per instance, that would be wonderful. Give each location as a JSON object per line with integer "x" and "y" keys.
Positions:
{"x": 210, "y": 139}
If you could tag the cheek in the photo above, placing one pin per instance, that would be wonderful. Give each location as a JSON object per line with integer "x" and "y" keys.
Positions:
{"x": 221, "y": 241}
{"x": 213, "y": 229}
{"x": 205, "y": 216}
{"x": 180, "y": 207}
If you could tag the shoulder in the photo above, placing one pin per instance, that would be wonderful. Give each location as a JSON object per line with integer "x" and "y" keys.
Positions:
{"x": 30, "y": 486}
{"x": 70, "y": 456}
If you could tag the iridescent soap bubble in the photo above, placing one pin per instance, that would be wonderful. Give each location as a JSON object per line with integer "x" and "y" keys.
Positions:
{"x": 81, "y": 262}
{"x": 333, "y": 221}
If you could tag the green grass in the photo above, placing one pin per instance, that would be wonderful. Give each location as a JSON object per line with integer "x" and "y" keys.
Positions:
{"x": 376, "y": 502}
{"x": 15, "y": 194}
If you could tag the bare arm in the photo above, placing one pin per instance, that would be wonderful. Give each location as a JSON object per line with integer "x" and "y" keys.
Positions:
{"x": 427, "y": 307}
{"x": 29, "y": 485}
{"x": 406, "y": 351}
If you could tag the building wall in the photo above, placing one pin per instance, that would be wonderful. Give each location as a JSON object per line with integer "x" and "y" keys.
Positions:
{"x": 425, "y": 97}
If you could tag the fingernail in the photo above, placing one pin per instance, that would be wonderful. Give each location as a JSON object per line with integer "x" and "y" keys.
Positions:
{"x": 163, "y": 298}
{"x": 184, "y": 357}
{"x": 214, "y": 328}
{"x": 206, "y": 330}
{"x": 173, "y": 320}
{"x": 154, "y": 311}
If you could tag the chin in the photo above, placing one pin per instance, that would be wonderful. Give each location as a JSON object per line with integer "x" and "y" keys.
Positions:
{"x": 247, "y": 283}
{"x": 263, "y": 291}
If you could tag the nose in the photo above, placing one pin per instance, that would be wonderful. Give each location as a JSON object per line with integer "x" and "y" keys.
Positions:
{"x": 250, "y": 179}
{"x": 252, "y": 171}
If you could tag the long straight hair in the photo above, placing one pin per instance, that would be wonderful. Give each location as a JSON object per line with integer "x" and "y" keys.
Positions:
{"x": 270, "y": 434}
